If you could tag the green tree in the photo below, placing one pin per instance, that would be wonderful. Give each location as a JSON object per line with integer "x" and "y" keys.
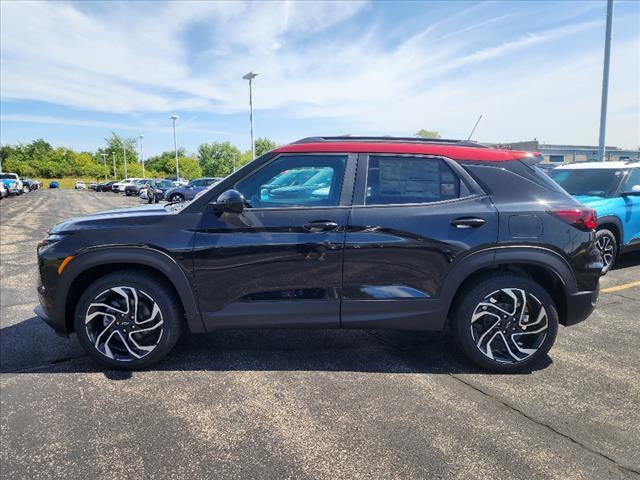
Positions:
{"x": 217, "y": 159}
{"x": 264, "y": 145}
{"x": 427, "y": 133}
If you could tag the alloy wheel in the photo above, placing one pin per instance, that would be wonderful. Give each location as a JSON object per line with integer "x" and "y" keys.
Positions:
{"x": 509, "y": 325}
{"x": 124, "y": 323}
{"x": 607, "y": 250}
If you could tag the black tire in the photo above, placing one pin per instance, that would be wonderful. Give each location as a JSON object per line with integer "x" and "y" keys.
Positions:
{"x": 167, "y": 324}
{"x": 127, "y": 193}
{"x": 608, "y": 246}
{"x": 483, "y": 299}
{"x": 176, "y": 197}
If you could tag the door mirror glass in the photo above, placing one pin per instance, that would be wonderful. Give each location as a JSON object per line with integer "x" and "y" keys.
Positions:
{"x": 231, "y": 201}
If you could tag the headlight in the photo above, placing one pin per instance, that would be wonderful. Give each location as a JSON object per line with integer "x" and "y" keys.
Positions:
{"x": 49, "y": 241}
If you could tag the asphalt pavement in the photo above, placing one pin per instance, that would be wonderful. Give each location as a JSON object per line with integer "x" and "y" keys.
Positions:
{"x": 318, "y": 404}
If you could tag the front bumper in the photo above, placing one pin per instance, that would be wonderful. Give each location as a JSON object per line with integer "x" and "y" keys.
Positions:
{"x": 45, "y": 317}
{"x": 580, "y": 305}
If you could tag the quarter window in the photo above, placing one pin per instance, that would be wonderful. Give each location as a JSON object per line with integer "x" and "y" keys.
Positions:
{"x": 399, "y": 180}
{"x": 296, "y": 181}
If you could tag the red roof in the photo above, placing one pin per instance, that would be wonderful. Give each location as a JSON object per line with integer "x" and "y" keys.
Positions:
{"x": 455, "y": 152}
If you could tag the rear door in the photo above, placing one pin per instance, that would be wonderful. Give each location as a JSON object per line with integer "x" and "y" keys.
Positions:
{"x": 279, "y": 262}
{"x": 413, "y": 219}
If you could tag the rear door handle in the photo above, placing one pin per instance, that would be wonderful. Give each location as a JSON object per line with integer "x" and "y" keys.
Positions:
{"x": 320, "y": 226}
{"x": 468, "y": 222}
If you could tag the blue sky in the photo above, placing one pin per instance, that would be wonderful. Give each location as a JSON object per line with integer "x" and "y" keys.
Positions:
{"x": 73, "y": 72}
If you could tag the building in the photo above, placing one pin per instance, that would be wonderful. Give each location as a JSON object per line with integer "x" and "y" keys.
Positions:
{"x": 572, "y": 153}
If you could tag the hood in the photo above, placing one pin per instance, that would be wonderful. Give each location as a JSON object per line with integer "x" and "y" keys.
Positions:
{"x": 591, "y": 200}
{"x": 120, "y": 217}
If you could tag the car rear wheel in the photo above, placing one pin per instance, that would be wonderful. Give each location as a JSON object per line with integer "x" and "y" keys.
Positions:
{"x": 128, "y": 320}
{"x": 176, "y": 197}
{"x": 608, "y": 247}
{"x": 25, "y": 189}
{"x": 505, "y": 323}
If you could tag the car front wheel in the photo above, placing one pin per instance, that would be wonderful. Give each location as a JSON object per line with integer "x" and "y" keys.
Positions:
{"x": 128, "y": 320}
{"x": 176, "y": 197}
{"x": 608, "y": 247}
{"x": 505, "y": 323}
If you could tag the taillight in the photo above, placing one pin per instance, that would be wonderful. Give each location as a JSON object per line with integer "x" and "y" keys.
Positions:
{"x": 582, "y": 218}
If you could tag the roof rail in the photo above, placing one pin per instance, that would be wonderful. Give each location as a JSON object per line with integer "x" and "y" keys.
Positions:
{"x": 349, "y": 138}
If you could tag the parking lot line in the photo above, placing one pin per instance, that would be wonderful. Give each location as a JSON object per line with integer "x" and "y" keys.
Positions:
{"x": 620, "y": 287}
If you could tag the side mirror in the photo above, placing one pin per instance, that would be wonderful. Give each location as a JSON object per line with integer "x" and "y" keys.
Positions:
{"x": 231, "y": 201}
{"x": 635, "y": 191}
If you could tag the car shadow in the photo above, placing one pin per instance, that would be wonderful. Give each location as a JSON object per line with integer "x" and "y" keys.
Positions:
{"x": 31, "y": 347}
{"x": 627, "y": 260}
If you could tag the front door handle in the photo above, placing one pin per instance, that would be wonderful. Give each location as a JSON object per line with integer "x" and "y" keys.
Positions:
{"x": 468, "y": 222}
{"x": 320, "y": 226}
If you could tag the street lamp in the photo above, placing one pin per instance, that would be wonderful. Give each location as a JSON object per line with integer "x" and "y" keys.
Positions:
{"x": 175, "y": 144}
{"x": 124, "y": 153}
{"x": 250, "y": 76}
{"x": 142, "y": 155}
{"x": 104, "y": 161}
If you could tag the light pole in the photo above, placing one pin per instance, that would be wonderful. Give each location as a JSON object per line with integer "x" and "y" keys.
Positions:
{"x": 605, "y": 80}
{"x": 114, "y": 165}
{"x": 250, "y": 76}
{"x": 124, "y": 153}
{"x": 175, "y": 144}
{"x": 104, "y": 160}
{"x": 142, "y": 155}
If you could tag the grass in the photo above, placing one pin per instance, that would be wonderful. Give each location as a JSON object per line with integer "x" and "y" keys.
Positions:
{"x": 68, "y": 182}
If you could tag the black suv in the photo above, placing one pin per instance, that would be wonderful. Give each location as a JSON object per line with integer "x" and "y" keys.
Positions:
{"x": 404, "y": 234}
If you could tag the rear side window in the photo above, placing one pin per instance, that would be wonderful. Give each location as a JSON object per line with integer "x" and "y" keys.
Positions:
{"x": 402, "y": 180}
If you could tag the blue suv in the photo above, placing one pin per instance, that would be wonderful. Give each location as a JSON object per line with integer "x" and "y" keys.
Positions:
{"x": 612, "y": 189}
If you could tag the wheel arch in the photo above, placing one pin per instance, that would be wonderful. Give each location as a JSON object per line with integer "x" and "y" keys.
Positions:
{"x": 88, "y": 266}
{"x": 613, "y": 223}
{"x": 544, "y": 266}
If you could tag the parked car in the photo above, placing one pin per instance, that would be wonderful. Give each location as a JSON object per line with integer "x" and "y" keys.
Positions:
{"x": 134, "y": 187}
{"x": 29, "y": 185}
{"x": 156, "y": 189}
{"x": 290, "y": 178}
{"x": 54, "y": 184}
{"x": 187, "y": 192}
{"x": 3, "y": 190}
{"x": 80, "y": 186}
{"x": 93, "y": 186}
{"x": 12, "y": 183}
{"x": 612, "y": 189}
{"x": 105, "y": 186}
{"x": 414, "y": 234}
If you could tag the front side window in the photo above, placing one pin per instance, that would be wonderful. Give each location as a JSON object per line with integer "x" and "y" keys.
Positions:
{"x": 296, "y": 181}
{"x": 633, "y": 180}
{"x": 598, "y": 182}
{"x": 400, "y": 180}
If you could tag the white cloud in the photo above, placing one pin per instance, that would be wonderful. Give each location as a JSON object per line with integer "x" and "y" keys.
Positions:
{"x": 314, "y": 61}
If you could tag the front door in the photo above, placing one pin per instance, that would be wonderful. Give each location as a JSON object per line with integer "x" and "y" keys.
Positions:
{"x": 413, "y": 218}
{"x": 279, "y": 262}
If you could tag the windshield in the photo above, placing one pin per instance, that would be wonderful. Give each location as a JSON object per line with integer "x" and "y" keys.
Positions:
{"x": 598, "y": 182}
{"x": 323, "y": 177}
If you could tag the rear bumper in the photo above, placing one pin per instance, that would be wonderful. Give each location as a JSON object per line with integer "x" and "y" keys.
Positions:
{"x": 580, "y": 305}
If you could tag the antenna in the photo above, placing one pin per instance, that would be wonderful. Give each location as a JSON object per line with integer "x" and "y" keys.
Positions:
{"x": 474, "y": 128}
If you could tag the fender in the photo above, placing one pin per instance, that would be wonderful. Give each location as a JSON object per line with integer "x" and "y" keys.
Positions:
{"x": 147, "y": 256}
{"x": 504, "y": 255}
{"x": 614, "y": 220}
